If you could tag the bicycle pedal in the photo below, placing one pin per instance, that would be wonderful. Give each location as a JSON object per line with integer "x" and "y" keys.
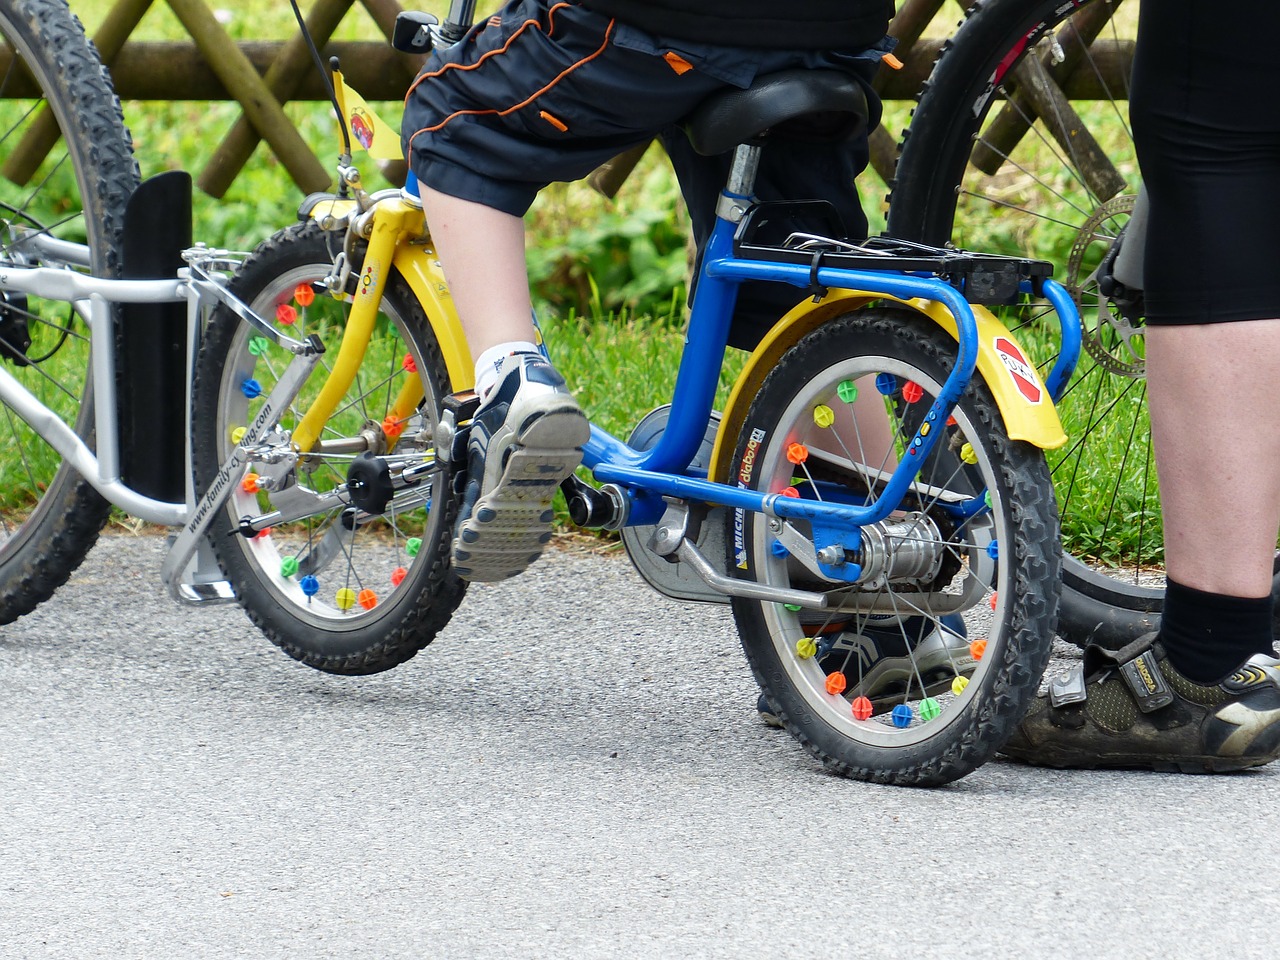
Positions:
{"x": 458, "y": 410}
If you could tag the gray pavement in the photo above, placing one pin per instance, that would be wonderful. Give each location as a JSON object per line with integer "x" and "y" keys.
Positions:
{"x": 588, "y": 781}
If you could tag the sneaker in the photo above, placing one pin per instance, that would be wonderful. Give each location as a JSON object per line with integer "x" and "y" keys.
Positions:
{"x": 526, "y": 438}
{"x": 884, "y": 662}
{"x": 1131, "y": 709}
{"x": 768, "y": 716}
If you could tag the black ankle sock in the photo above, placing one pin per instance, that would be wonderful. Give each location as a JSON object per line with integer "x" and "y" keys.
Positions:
{"x": 1208, "y": 635}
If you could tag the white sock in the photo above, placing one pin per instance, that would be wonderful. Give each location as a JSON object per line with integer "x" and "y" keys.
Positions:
{"x": 489, "y": 363}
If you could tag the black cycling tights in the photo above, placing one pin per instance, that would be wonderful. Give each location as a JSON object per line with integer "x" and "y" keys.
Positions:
{"x": 1205, "y": 106}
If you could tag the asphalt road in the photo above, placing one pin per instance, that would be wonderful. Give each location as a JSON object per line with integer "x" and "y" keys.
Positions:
{"x": 588, "y": 781}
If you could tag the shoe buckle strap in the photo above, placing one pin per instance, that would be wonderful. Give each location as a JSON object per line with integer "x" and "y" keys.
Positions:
{"x": 1064, "y": 691}
{"x": 1146, "y": 682}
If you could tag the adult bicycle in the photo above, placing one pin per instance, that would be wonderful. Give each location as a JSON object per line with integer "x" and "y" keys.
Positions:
{"x": 878, "y": 464}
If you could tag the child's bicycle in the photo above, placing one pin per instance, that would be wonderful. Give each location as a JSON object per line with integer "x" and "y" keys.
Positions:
{"x": 873, "y": 501}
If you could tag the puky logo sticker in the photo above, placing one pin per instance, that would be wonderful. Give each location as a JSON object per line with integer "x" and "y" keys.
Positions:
{"x": 1022, "y": 373}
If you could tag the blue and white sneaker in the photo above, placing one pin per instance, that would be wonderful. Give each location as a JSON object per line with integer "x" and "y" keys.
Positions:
{"x": 526, "y": 438}
{"x": 885, "y": 661}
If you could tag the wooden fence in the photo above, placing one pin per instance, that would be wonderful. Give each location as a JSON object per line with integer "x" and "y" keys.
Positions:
{"x": 263, "y": 75}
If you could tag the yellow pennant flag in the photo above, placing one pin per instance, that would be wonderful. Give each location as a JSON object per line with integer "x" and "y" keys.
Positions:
{"x": 368, "y": 131}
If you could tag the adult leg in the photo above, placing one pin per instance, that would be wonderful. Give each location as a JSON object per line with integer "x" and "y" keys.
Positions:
{"x": 1215, "y": 422}
{"x": 1204, "y": 695}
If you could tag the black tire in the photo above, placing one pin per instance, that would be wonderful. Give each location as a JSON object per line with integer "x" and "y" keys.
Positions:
{"x": 401, "y": 552}
{"x": 959, "y": 707}
{"x": 961, "y": 179}
{"x": 49, "y": 515}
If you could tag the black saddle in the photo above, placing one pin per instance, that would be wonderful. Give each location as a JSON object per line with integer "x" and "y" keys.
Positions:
{"x": 814, "y": 105}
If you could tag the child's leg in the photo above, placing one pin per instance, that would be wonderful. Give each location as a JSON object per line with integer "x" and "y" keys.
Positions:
{"x": 484, "y": 250}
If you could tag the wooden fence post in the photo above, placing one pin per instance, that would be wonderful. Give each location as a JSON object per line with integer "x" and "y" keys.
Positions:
{"x": 243, "y": 82}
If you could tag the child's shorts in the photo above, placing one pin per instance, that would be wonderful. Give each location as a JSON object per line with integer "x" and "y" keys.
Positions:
{"x": 548, "y": 92}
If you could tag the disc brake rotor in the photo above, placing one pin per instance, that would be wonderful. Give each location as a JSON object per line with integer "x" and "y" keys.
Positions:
{"x": 1114, "y": 343}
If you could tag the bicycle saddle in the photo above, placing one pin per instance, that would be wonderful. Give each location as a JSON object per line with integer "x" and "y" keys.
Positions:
{"x": 823, "y": 105}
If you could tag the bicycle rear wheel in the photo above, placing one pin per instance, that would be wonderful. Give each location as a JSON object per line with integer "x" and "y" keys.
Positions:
{"x": 66, "y": 172}
{"x": 916, "y": 673}
{"x": 1021, "y": 145}
{"x": 350, "y": 587}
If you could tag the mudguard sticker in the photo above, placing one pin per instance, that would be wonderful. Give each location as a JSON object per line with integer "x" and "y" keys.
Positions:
{"x": 1021, "y": 372}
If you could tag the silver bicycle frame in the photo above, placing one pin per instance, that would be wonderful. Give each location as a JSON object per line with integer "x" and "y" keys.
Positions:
{"x": 200, "y": 286}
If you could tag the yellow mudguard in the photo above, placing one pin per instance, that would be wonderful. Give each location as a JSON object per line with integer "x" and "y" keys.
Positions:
{"x": 1024, "y": 403}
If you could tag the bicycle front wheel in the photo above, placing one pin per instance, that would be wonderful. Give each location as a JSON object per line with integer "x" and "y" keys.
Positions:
{"x": 916, "y": 673}
{"x": 66, "y": 172}
{"x": 358, "y": 584}
{"x": 1021, "y": 145}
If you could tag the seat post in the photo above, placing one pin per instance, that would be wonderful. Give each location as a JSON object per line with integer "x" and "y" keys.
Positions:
{"x": 742, "y": 174}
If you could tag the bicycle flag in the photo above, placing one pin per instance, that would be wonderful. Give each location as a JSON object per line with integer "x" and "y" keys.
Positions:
{"x": 368, "y": 131}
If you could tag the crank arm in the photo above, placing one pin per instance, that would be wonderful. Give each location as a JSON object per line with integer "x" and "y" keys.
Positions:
{"x": 298, "y": 503}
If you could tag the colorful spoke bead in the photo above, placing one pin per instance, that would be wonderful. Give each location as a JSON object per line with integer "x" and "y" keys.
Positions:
{"x": 847, "y": 391}
{"x": 929, "y": 709}
{"x": 862, "y": 708}
{"x": 836, "y": 683}
{"x": 790, "y": 492}
{"x": 967, "y": 454}
{"x": 288, "y": 567}
{"x": 409, "y": 363}
{"x": 902, "y": 716}
{"x": 392, "y": 427}
{"x": 398, "y": 575}
{"x": 823, "y": 415}
{"x": 806, "y": 647}
{"x": 778, "y": 550}
{"x": 237, "y": 434}
{"x": 250, "y": 483}
{"x": 251, "y": 388}
{"x": 958, "y": 685}
{"x": 345, "y": 598}
{"x": 977, "y": 649}
{"x": 304, "y": 294}
{"x": 412, "y": 546}
{"x": 912, "y": 391}
{"x": 310, "y": 585}
{"x": 367, "y": 598}
{"x": 286, "y": 314}
{"x": 258, "y": 345}
{"x": 886, "y": 383}
{"x": 797, "y": 453}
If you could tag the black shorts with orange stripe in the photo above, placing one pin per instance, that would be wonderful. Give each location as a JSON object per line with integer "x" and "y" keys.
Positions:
{"x": 545, "y": 92}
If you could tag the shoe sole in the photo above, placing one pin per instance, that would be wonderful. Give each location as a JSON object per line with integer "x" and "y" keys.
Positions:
{"x": 1071, "y": 760}
{"x": 512, "y": 522}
